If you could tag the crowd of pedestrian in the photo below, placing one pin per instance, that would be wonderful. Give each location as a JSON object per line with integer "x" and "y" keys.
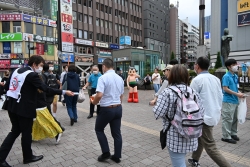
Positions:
{"x": 33, "y": 89}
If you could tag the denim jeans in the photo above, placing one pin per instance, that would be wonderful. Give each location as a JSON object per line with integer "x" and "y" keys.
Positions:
{"x": 177, "y": 159}
{"x": 156, "y": 87}
{"x": 71, "y": 106}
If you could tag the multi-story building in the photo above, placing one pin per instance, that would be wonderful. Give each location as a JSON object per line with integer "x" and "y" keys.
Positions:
{"x": 207, "y": 23}
{"x": 24, "y": 32}
{"x": 183, "y": 38}
{"x": 174, "y": 30}
{"x": 156, "y": 15}
{"x": 235, "y": 16}
{"x": 98, "y": 24}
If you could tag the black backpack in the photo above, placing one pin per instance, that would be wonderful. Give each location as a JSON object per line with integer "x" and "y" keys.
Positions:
{"x": 51, "y": 81}
{"x": 147, "y": 79}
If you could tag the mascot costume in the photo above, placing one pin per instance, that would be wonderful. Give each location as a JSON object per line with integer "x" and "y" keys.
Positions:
{"x": 132, "y": 85}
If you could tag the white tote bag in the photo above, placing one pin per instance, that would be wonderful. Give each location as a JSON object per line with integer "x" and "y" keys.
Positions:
{"x": 242, "y": 110}
{"x": 81, "y": 96}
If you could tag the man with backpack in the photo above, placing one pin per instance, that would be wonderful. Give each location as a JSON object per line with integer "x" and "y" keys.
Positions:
{"x": 53, "y": 82}
{"x": 209, "y": 88}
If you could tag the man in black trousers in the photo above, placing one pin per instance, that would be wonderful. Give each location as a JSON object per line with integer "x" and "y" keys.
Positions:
{"x": 110, "y": 89}
{"x": 22, "y": 92}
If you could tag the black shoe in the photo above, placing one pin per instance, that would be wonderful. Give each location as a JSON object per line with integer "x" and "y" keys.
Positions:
{"x": 90, "y": 116}
{"x": 63, "y": 103}
{"x": 117, "y": 160}
{"x": 193, "y": 163}
{"x": 4, "y": 164}
{"x": 104, "y": 156}
{"x": 72, "y": 122}
{"x": 232, "y": 141}
{"x": 33, "y": 159}
{"x": 236, "y": 138}
{"x": 75, "y": 120}
{"x": 63, "y": 129}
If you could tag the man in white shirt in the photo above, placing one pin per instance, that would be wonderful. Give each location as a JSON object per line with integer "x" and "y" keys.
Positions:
{"x": 156, "y": 77}
{"x": 209, "y": 88}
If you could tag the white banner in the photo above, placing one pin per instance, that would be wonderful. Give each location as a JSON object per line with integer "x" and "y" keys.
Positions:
{"x": 27, "y": 36}
{"x": 84, "y": 42}
{"x": 67, "y": 27}
{"x": 66, "y": 7}
{"x": 67, "y": 47}
{"x": 101, "y": 44}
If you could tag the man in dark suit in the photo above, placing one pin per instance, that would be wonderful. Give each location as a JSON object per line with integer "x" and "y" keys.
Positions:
{"x": 22, "y": 108}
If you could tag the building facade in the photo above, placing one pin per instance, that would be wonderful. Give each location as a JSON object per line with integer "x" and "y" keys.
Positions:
{"x": 156, "y": 16}
{"x": 233, "y": 15}
{"x": 24, "y": 33}
{"x": 183, "y": 40}
{"x": 174, "y": 30}
{"x": 207, "y": 24}
{"x": 98, "y": 25}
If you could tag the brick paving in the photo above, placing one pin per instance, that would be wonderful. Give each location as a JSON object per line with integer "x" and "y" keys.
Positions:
{"x": 79, "y": 146}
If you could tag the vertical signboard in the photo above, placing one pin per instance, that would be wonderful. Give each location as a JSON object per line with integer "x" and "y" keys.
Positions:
{"x": 66, "y": 24}
{"x": 54, "y": 9}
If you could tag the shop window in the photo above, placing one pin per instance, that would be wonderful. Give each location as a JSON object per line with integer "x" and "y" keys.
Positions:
{"x": 90, "y": 35}
{"x": 16, "y": 26}
{"x": 28, "y": 27}
{"x": 79, "y": 33}
{"x": 39, "y": 30}
{"x": 85, "y": 34}
{"x": 49, "y": 31}
{"x": 26, "y": 48}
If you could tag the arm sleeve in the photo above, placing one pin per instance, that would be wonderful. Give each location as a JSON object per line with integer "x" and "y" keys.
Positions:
{"x": 194, "y": 85}
{"x": 164, "y": 85}
{"x": 162, "y": 105}
{"x": 100, "y": 85}
{"x": 225, "y": 81}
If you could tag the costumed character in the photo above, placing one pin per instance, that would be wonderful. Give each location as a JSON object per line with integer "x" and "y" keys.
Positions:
{"x": 132, "y": 85}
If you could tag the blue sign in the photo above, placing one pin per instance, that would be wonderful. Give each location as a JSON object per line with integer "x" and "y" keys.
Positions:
{"x": 6, "y": 47}
{"x": 100, "y": 60}
{"x": 68, "y": 57}
{"x": 114, "y": 46}
{"x": 125, "y": 40}
{"x": 207, "y": 35}
{"x": 244, "y": 19}
{"x": 26, "y": 18}
{"x": 36, "y": 20}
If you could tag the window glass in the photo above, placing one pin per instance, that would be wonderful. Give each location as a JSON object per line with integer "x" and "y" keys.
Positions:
{"x": 110, "y": 10}
{"x": 110, "y": 25}
{"x": 16, "y": 26}
{"x": 98, "y": 37}
{"x": 97, "y": 22}
{"x": 49, "y": 31}
{"x": 101, "y": 22}
{"x": 18, "y": 47}
{"x": 106, "y": 24}
{"x": 84, "y": 2}
{"x": 85, "y": 34}
{"x": 74, "y": 15}
{"x": 85, "y": 18}
{"x": 74, "y": 32}
{"x": 90, "y": 19}
{"x": 90, "y": 35}
{"x": 97, "y": 6}
{"x": 39, "y": 30}
{"x": 90, "y": 3}
{"x": 79, "y": 16}
{"x": 79, "y": 33}
{"x": 28, "y": 27}
{"x": 26, "y": 47}
{"x": 110, "y": 39}
{"x": 79, "y": 1}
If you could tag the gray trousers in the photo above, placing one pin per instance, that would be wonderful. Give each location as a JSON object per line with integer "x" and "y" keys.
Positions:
{"x": 207, "y": 142}
{"x": 229, "y": 120}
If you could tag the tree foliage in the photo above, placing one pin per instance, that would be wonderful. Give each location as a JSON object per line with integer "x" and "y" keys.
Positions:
{"x": 172, "y": 55}
{"x": 218, "y": 61}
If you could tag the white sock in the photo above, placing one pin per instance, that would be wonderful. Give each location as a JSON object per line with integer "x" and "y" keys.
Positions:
{"x": 54, "y": 114}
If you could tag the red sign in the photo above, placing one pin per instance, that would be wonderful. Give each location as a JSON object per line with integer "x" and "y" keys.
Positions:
{"x": 67, "y": 37}
{"x": 4, "y": 63}
{"x": 11, "y": 17}
{"x": 40, "y": 48}
{"x": 66, "y": 18}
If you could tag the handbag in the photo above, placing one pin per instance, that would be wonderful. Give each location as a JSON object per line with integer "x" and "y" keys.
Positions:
{"x": 242, "y": 111}
{"x": 65, "y": 84}
{"x": 163, "y": 136}
{"x": 81, "y": 96}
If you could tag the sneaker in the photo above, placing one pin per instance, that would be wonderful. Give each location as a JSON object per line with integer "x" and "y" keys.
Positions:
{"x": 58, "y": 138}
{"x": 232, "y": 141}
{"x": 193, "y": 163}
{"x": 235, "y": 137}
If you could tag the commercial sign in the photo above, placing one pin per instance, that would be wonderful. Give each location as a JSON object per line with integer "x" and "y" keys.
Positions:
{"x": 100, "y": 60}
{"x": 4, "y": 63}
{"x": 101, "y": 44}
{"x": 16, "y": 55}
{"x": 4, "y": 56}
{"x": 16, "y": 63}
{"x": 67, "y": 25}
{"x": 243, "y": 5}
{"x": 52, "y": 23}
{"x": 68, "y": 57}
{"x": 50, "y": 50}
{"x": 105, "y": 52}
{"x": 11, "y": 37}
{"x": 84, "y": 59}
{"x": 84, "y": 42}
{"x": 10, "y": 17}
{"x": 27, "y": 37}
{"x": 39, "y": 48}
{"x": 36, "y": 20}
{"x": 39, "y": 38}
{"x": 125, "y": 40}
{"x": 244, "y": 19}
{"x": 54, "y": 9}
{"x": 114, "y": 46}
{"x": 207, "y": 35}
{"x": 6, "y": 47}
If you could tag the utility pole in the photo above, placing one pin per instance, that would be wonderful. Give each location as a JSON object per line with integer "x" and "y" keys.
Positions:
{"x": 59, "y": 37}
{"x": 30, "y": 48}
{"x": 201, "y": 48}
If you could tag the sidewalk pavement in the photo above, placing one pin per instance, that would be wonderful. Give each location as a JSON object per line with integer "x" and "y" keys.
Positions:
{"x": 140, "y": 131}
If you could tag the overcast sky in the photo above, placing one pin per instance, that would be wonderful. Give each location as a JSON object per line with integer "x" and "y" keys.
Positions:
{"x": 190, "y": 9}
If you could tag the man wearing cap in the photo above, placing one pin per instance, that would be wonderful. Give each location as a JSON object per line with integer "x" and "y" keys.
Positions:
{"x": 164, "y": 84}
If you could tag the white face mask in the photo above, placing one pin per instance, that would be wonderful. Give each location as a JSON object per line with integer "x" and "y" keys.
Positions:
{"x": 39, "y": 70}
{"x": 235, "y": 68}
{"x": 95, "y": 72}
{"x": 51, "y": 68}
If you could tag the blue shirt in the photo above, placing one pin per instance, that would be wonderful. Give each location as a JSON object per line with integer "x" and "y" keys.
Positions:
{"x": 93, "y": 79}
{"x": 244, "y": 67}
{"x": 231, "y": 81}
{"x": 112, "y": 87}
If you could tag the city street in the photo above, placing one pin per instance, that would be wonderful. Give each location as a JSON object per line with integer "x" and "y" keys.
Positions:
{"x": 140, "y": 132}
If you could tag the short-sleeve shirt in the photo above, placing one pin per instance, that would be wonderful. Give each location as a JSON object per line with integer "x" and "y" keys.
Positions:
{"x": 157, "y": 80}
{"x": 112, "y": 87}
{"x": 231, "y": 81}
{"x": 93, "y": 79}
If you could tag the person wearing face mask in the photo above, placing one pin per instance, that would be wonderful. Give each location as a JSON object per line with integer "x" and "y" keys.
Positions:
{"x": 21, "y": 106}
{"x": 230, "y": 102}
{"x": 93, "y": 79}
